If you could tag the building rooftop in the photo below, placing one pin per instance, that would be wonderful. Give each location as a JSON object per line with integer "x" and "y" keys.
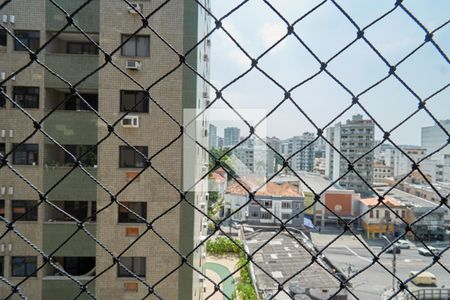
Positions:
{"x": 387, "y": 201}
{"x": 283, "y": 257}
{"x": 406, "y": 198}
{"x": 316, "y": 182}
{"x": 285, "y": 189}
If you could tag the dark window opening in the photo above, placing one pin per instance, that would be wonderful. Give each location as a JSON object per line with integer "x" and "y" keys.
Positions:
{"x": 24, "y": 210}
{"x": 3, "y": 37}
{"x": 76, "y": 266}
{"x": 136, "y": 265}
{"x": 137, "y": 45}
{"x": 2, "y": 149}
{"x": 130, "y": 99}
{"x": 77, "y": 209}
{"x": 26, "y": 154}
{"x": 23, "y": 266}
{"x": 89, "y": 159}
{"x": 2, "y": 266}
{"x": 2, "y": 208}
{"x": 2, "y": 96}
{"x": 140, "y": 208}
{"x": 76, "y": 103}
{"x": 130, "y": 158}
{"x": 28, "y": 38}
{"x": 81, "y": 48}
{"x": 26, "y": 97}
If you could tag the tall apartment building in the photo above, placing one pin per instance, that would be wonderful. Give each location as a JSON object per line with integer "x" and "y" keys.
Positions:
{"x": 212, "y": 136}
{"x": 303, "y": 160}
{"x": 399, "y": 162}
{"x": 433, "y": 138}
{"x": 75, "y": 125}
{"x": 352, "y": 139}
{"x": 231, "y": 136}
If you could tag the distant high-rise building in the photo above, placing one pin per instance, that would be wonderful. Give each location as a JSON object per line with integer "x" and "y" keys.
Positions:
{"x": 399, "y": 162}
{"x": 212, "y": 136}
{"x": 231, "y": 136}
{"x": 304, "y": 159}
{"x": 433, "y": 138}
{"x": 219, "y": 142}
{"x": 353, "y": 139}
{"x": 271, "y": 156}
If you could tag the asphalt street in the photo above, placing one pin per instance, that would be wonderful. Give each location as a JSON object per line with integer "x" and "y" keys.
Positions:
{"x": 350, "y": 256}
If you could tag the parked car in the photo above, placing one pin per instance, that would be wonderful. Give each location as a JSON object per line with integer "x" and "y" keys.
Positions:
{"x": 392, "y": 248}
{"x": 424, "y": 278}
{"x": 403, "y": 244}
{"x": 426, "y": 252}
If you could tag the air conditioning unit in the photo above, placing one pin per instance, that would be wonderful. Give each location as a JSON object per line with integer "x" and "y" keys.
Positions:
{"x": 202, "y": 205}
{"x": 2, "y": 75}
{"x": 133, "y": 65}
{"x": 3, "y": 190}
{"x": 11, "y": 190}
{"x": 11, "y": 133}
{"x": 130, "y": 122}
{"x": 3, "y": 133}
{"x": 205, "y": 95}
{"x": 134, "y": 8}
{"x": 5, "y": 18}
{"x": 12, "y": 19}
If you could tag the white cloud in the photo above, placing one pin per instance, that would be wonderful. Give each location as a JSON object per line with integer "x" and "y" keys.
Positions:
{"x": 270, "y": 33}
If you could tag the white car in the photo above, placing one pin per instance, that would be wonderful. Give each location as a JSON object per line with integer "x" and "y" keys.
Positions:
{"x": 426, "y": 252}
{"x": 403, "y": 244}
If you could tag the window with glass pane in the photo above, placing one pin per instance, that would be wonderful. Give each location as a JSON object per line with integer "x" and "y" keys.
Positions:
{"x": 3, "y": 37}
{"x": 2, "y": 266}
{"x": 2, "y": 208}
{"x": 89, "y": 158}
{"x": 136, "y": 265}
{"x": 2, "y": 148}
{"x": 23, "y": 266}
{"x": 2, "y": 96}
{"x": 26, "y": 96}
{"x": 26, "y": 154}
{"x": 28, "y": 38}
{"x": 24, "y": 210}
{"x": 130, "y": 99}
{"x": 76, "y": 103}
{"x": 137, "y": 45}
{"x": 140, "y": 208}
{"x": 81, "y": 48}
{"x": 129, "y": 158}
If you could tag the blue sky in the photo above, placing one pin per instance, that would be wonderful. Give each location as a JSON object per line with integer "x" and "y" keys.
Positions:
{"x": 326, "y": 31}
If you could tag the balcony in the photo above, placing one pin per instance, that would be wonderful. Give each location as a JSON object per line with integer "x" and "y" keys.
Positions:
{"x": 59, "y": 287}
{"x": 72, "y": 127}
{"x": 71, "y": 67}
{"x": 55, "y": 233}
{"x": 69, "y": 189}
{"x": 88, "y": 18}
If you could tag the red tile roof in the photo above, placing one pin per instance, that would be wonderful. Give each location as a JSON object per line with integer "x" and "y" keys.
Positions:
{"x": 270, "y": 189}
{"x": 389, "y": 201}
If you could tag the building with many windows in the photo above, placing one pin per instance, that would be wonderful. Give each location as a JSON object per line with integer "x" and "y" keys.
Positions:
{"x": 231, "y": 136}
{"x": 300, "y": 150}
{"x": 353, "y": 140}
{"x": 109, "y": 125}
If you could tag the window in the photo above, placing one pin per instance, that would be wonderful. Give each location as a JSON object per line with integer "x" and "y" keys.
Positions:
{"x": 128, "y": 100}
{"x": 76, "y": 103}
{"x": 23, "y": 266}
{"x": 78, "y": 266}
{"x": 377, "y": 212}
{"x": 138, "y": 45}
{"x": 285, "y": 216}
{"x": 2, "y": 149}
{"x": 129, "y": 158}
{"x": 24, "y": 210}
{"x": 3, "y": 37}
{"x": 267, "y": 204}
{"x": 2, "y": 96}
{"x": 89, "y": 159}
{"x": 134, "y": 264}
{"x": 2, "y": 266}
{"x": 26, "y": 154}
{"x": 266, "y": 216}
{"x": 139, "y": 208}
{"x": 286, "y": 204}
{"x": 28, "y": 38}
{"x": 2, "y": 208}
{"x": 26, "y": 97}
{"x": 81, "y": 48}
{"x": 403, "y": 214}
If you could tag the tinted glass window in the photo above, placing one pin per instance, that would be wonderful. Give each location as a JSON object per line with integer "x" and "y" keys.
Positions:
{"x": 28, "y": 38}
{"x": 3, "y": 37}
{"x": 134, "y": 264}
{"x": 133, "y": 101}
{"x": 129, "y": 158}
{"x": 26, "y": 154}
{"x": 81, "y": 48}
{"x": 24, "y": 210}
{"x": 140, "y": 208}
{"x": 138, "y": 45}
{"x": 26, "y": 97}
{"x": 23, "y": 265}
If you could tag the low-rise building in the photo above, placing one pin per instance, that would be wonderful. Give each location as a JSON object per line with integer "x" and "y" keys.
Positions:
{"x": 380, "y": 172}
{"x": 378, "y": 219}
{"x": 287, "y": 260}
{"x": 427, "y": 221}
{"x": 273, "y": 203}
